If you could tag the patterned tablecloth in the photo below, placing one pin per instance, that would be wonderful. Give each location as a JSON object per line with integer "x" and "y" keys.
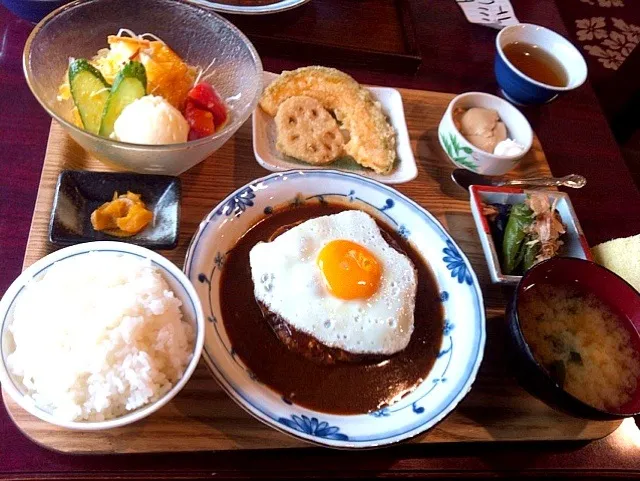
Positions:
{"x": 607, "y": 30}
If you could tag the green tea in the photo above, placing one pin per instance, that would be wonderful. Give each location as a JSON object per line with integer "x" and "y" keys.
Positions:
{"x": 536, "y": 63}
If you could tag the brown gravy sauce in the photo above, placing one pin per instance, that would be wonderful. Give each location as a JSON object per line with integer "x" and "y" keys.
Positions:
{"x": 341, "y": 387}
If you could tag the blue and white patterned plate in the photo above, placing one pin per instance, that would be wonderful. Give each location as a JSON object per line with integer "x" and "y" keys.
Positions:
{"x": 464, "y": 331}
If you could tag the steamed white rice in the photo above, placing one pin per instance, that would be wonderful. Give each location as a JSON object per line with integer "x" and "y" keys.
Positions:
{"x": 97, "y": 336}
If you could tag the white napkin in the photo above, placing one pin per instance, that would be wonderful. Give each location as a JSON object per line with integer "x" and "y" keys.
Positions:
{"x": 492, "y": 13}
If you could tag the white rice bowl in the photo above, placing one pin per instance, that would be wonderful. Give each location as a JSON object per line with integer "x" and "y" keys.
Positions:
{"x": 97, "y": 336}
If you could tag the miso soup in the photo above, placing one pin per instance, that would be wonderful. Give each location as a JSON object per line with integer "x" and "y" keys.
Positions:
{"x": 583, "y": 344}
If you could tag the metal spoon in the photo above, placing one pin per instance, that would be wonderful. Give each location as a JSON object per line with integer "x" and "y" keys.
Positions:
{"x": 464, "y": 178}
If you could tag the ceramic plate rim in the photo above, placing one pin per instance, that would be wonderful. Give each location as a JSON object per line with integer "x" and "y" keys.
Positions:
{"x": 281, "y": 6}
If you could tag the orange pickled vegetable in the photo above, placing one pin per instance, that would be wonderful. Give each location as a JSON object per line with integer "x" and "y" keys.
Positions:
{"x": 136, "y": 219}
{"x": 124, "y": 216}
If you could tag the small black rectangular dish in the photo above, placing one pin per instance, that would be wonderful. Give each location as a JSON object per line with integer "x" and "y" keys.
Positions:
{"x": 79, "y": 193}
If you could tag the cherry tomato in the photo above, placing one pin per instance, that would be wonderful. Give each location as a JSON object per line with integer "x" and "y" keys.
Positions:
{"x": 200, "y": 121}
{"x": 205, "y": 97}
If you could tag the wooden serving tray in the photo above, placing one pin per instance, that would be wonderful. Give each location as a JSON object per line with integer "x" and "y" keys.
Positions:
{"x": 202, "y": 417}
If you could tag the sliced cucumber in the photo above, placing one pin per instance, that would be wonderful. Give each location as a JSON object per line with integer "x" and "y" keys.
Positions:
{"x": 130, "y": 84}
{"x": 90, "y": 91}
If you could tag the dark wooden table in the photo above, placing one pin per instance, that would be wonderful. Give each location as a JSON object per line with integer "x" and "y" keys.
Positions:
{"x": 456, "y": 57}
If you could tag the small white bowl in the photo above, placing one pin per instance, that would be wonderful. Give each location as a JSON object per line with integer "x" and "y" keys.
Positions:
{"x": 177, "y": 281}
{"x": 404, "y": 170}
{"x": 575, "y": 244}
{"x": 467, "y": 156}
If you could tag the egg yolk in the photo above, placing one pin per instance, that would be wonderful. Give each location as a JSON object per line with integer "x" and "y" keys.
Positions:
{"x": 350, "y": 270}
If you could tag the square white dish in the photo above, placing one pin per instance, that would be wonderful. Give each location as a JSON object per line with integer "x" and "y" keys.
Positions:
{"x": 405, "y": 169}
{"x": 575, "y": 244}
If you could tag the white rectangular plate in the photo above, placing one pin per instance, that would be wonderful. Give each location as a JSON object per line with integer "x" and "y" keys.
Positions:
{"x": 405, "y": 169}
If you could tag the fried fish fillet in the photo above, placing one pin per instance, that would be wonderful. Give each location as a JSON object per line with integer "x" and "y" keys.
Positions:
{"x": 372, "y": 140}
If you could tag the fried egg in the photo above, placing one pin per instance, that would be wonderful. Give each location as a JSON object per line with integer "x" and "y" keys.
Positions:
{"x": 338, "y": 280}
